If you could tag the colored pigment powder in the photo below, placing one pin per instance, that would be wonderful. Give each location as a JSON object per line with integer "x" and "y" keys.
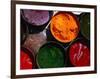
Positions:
{"x": 85, "y": 25}
{"x": 26, "y": 61}
{"x": 50, "y": 57}
{"x": 36, "y": 17}
{"x": 79, "y": 54}
{"x": 35, "y": 41}
{"x": 64, "y": 27}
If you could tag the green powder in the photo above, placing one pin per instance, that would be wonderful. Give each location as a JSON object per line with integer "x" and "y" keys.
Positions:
{"x": 50, "y": 57}
{"x": 85, "y": 25}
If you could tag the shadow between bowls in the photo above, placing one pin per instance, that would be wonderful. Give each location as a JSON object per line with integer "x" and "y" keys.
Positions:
{"x": 23, "y": 31}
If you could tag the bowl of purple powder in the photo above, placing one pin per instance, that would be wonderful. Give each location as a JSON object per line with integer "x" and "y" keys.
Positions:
{"x": 36, "y": 20}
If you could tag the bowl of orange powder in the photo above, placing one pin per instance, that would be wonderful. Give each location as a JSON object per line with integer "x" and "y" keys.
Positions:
{"x": 64, "y": 27}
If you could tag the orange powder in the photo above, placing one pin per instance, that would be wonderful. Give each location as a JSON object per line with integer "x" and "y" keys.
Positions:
{"x": 64, "y": 27}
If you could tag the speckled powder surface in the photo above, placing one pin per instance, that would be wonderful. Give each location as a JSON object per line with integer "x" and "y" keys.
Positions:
{"x": 36, "y": 17}
{"x": 35, "y": 41}
{"x": 79, "y": 54}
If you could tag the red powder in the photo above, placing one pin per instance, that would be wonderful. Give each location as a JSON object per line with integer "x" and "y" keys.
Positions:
{"x": 25, "y": 61}
{"x": 79, "y": 54}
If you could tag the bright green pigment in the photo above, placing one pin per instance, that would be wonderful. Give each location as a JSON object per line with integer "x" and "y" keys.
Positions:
{"x": 50, "y": 57}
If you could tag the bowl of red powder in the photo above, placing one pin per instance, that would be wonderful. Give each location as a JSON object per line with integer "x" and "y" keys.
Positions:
{"x": 78, "y": 53}
{"x": 27, "y": 59}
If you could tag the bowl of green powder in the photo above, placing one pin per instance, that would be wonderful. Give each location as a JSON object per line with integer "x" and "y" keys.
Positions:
{"x": 51, "y": 55}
